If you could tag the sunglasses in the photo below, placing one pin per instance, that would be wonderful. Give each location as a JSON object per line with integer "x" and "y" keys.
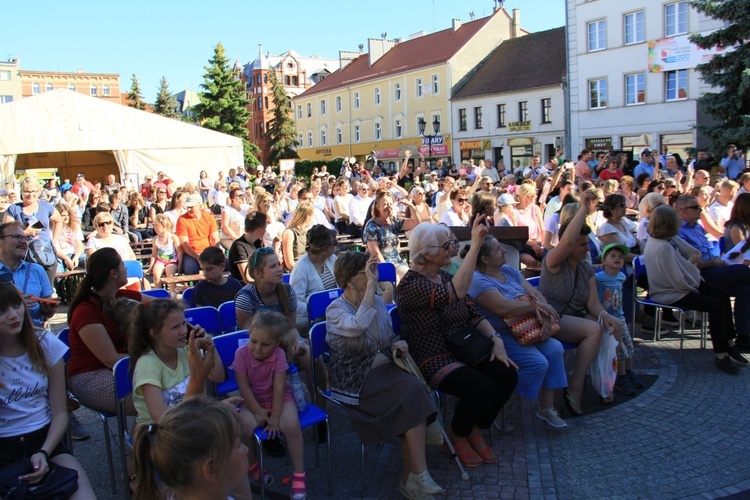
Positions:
{"x": 105, "y": 223}
{"x": 446, "y": 245}
{"x": 17, "y": 237}
{"x": 260, "y": 251}
{"x": 462, "y": 200}
{"x": 693, "y": 207}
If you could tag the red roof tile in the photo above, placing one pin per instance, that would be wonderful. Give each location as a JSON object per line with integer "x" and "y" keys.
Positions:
{"x": 421, "y": 52}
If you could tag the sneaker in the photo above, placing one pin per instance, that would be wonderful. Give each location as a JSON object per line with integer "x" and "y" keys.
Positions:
{"x": 634, "y": 379}
{"x": 412, "y": 493}
{"x": 725, "y": 364}
{"x": 551, "y": 416}
{"x": 424, "y": 483}
{"x": 735, "y": 354}
{"x": 274, "y": 447}
{"x": 624, "y": 385}
{"x": 77, "y": 431}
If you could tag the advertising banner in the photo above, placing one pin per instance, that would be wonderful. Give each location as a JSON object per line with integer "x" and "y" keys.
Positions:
{"x": 669, "y": 54}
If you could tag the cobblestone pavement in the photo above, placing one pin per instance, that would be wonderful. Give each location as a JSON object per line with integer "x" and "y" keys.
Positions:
{"x": 685, "y": 436}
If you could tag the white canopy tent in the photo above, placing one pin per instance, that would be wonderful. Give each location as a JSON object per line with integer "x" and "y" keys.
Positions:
{"x": 74, "y": 133}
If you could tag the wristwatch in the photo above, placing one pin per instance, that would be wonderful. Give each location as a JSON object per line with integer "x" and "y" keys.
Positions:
{"x": 496, "y": 335}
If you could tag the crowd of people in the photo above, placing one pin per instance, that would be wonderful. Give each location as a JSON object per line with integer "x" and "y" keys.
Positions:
{"x": 587, "y": 223}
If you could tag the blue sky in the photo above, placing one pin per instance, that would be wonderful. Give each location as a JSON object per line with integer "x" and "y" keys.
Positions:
{"x": 176, "y": 39}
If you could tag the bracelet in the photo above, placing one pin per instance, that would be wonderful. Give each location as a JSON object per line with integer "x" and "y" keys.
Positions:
{"x": 496, "y": 335}
{"x": 46, "y": 455}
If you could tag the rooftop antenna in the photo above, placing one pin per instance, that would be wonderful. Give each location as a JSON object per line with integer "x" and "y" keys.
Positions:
{"x": 471, "y": 15}
{"x": 361, "y": 46}
{"x": 383, "y": 35}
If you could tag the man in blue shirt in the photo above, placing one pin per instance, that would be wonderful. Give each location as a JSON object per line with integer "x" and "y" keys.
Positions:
{"x": 31, "y": 279}
{"x": 646, "y": 166}
{"x": 734, "y": 163}
{"x": 735, "y": 279}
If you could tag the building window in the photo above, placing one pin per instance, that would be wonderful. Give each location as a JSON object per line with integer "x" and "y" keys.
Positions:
{"x": 322, "y": 137}
{"x": 5, "y": 75}
{"x": 397, "y": 92}
{"x": 523, "y": 111}
{"x": 93, "y": 90}
{"x": 435, "y": 84}
{"x": 597, "y": 35}
{"x": 260, "y": 103}
{"x": 309, "y": 109}
{"x": 356, "y": 100}
{"x": 676, "y": 19}
{"x": 378, "y": 132}
{"x": 287, "y": 80}
{"x": 261, "y": 129}
{"x": 462, "y": 119}
{"x": 635, "y": 89}
{"x": 397, "y": 129}
{"x": 322, "y": 107}
{"x": 338, "y": 104}
{"x": 478, "y": 117}
{"x": 676, "y": 85}
{"x": 50, "y": 87}
{"x": 36, "y": 88}
{"x": 634, "y": 32}
{"x": 547, "y": 110}
{"x": 339, "y": 138}
{"x": 598, "y": 94}
{"x": 300, "y": 141}
{"x": 356, "y": 133}
{"x": 500, "y": 115}
{"x": 72, "y": 86}
{"x": 295, "y": 81}
{"x": 419, "y": 87}
{"x": 105, "y": 90}
{"x": 299, "y": 113}
{"x": 258, "y": 79}
{"x": 309, "y": 139}
{"x": 265, "y": 100}
{"x": 377, "y": 96}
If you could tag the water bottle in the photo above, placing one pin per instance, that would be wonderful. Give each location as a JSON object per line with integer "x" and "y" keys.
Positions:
{"x": 297, "y": 391}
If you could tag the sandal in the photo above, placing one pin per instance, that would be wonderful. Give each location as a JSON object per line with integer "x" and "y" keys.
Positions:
{"x": 465, "y": 452}
{"x": 254, "y": 472}
{"x": 573, "y": 406}
{"x": 299, "y": 490}
{"x": 483, "y": 449}
{"x": 609, "y": 399}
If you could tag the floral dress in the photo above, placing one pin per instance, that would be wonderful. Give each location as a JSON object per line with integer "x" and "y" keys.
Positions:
{"x": 386, "y": 237}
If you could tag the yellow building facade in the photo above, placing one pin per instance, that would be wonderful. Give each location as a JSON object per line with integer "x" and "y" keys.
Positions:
{"x": 100, "y": 85}
{"x": 375, "y": 103}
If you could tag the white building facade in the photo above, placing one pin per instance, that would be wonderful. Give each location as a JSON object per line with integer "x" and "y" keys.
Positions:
{"x": 631, "y": 75}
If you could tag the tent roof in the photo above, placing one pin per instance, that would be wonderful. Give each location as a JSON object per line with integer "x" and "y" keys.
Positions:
{"x": 63, "y": 120}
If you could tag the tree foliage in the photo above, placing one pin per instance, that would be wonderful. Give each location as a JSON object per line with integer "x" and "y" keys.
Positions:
{"x": 165, "y": 104}
{"x": 728, "y": 72}
{"x": 224, "y": 104}
{"x": 135, "y": 95}
{"x": 282, "y": 129}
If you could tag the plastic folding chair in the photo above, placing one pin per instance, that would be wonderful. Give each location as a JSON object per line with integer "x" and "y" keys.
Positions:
{"x": 157, "y": 293}
{"x": 187, "y": 294}
{"x": 228, "y": 317}
{"x": 134, "y": 268}
{"x": 534, "y": 281}
{"x": 319, "y": 301}
{"x": 639, "y": 269}
{"x": 206, "y": 316}
{"x": 123, "y": 388}
{"x": 286, "y": 278}
{"x": 226, "y": 345}
{"x": 387, "y": 272}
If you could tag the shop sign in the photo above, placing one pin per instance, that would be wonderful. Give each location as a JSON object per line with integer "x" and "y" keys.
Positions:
{"x": 519, "y": 126}
{"x": 599, "y": 144}
{"x": 521, "y": 151}
{"x": 439, "y": 150}
{"x": 323, "y": 151}
{"x": 520, "y": 141}
{"x": 386, "y": 153}
{"x": 470, "y": 144}
{"x": 668, "y": 139}
{"x": 634, "y": 141}
{"x": 434, "y": 139}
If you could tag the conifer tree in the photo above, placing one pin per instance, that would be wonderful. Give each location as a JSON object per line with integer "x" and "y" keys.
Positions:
{"x": 728, "y": 72}
{"x": 282, "y": 129}
{"x": 224, "y": 104}
{"x": 166, "y": 104}
{"x": 135, "y": 95}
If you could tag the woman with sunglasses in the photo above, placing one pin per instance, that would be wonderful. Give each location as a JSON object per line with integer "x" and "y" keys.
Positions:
{"x": 618, "y": 228}
{"x": 34, "y": 410}
{"x": 105, "y": 238}
{"x": 161, "y": 204}
{"x": 92, "y": 207}
{"x": 233, "y": 217}
{"x": 176, "y": 205}
{"x": 458, "y": 214}
{"x": 314, "y": 270}
{"x": 421, "y": 209}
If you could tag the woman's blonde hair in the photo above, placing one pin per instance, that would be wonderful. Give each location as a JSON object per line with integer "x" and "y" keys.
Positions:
{"x": 302, "y": 214}
{"x": 164, "y": 221}
{"x": 525, "y": 190}
{"x": 101, "y": 216}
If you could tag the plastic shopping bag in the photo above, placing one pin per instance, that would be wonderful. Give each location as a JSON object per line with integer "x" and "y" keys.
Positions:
{"x": 604, "y": 367}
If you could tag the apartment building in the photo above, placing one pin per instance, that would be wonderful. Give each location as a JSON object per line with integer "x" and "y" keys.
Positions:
{"x": 100, "y": 85}
{"x": 10, "y": 81}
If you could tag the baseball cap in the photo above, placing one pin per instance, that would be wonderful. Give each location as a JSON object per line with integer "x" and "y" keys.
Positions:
{"x": 506, "y": 199}
{"x": 645, "y": 151}
{"x": 615, "y": 246}
{"x": 192, "y": 200}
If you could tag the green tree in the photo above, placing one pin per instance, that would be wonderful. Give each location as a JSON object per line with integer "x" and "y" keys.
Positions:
{"x": 728, "y": 72}
{"x": 166, "y": 104}
{"x": 135, "y": 95}
{"x": 282, "y": 129}
{"x": 224, "y": 104}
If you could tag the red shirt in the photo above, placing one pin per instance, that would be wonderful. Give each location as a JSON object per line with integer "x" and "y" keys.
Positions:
{"x": 82, "y": 360}
{"x": 608, "y": 174}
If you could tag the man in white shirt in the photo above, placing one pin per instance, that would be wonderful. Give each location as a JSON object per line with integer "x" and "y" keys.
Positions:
{"x": 358, "y": 206}
{"x": 721, "y": 209}
{"x": 318, "y": 215}
{"x": 448, "y": 184}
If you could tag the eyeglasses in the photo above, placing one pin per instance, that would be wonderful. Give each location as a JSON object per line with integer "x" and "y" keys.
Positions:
{"x": 462, "y": 200}
{"x": 446, "y": 246}
{"x": 260, "y": 251}
{"x": 105, "y": 223}
{"x": 693, "y": 207}
{"x": 26, "y": 193}
{"x": 17, "y": 237}
{"x": 660, "y": 188}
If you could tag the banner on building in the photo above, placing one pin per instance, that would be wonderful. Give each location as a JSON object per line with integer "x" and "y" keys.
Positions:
{"x": 524, "y": 126}
{"x": 439, "y": 150}
{"x": 669, "y": 54}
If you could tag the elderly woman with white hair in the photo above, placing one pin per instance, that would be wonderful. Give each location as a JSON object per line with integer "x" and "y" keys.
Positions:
{"x": 433, "y": 305}
{"x": 646, "y": 206}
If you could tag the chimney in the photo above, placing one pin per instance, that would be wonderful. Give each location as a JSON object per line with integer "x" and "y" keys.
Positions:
{"x": 456, "y": 25}
{"x": 377, "y": 48}
{"x": 515, "y": 31}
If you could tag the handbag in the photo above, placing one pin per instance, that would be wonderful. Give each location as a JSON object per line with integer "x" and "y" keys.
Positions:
{"x": 469, "y": 346}
{"x": 41, "y": 252}
{"x": 527, "y": 327}
{"x": 58, "y": 484}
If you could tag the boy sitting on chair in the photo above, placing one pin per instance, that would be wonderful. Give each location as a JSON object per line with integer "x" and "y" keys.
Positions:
{"x": 216, "y": 288}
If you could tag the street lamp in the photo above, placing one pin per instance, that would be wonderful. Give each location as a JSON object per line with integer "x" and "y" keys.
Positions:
{"x": 435, "y": 126}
